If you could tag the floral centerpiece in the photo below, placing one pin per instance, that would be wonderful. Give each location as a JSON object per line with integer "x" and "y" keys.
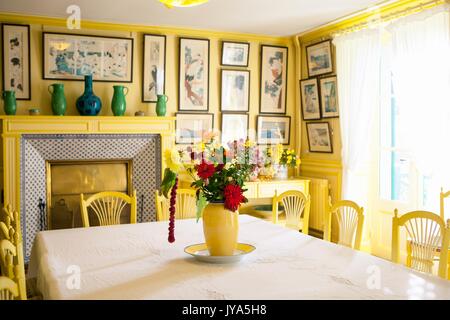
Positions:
{"x": 218, "y": 175}
{"x": 285, "y": 158}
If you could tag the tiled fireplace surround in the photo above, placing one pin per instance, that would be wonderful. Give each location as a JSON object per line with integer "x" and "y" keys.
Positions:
{"x": 142, "y": 149}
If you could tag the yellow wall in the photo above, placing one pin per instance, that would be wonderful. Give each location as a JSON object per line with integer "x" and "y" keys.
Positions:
{"x": 73, "y": 89}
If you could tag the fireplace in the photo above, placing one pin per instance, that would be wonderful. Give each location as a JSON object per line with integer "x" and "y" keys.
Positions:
{"x": 66, "y": 180}
{"x": 56, "y": 168}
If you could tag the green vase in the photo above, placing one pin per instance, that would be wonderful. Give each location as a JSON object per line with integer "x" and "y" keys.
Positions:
{"x": 161, "y": 105}
{"x": 59, "y": 103}
{"x": 119, "y": 104}
{"x": 9, "y": 102}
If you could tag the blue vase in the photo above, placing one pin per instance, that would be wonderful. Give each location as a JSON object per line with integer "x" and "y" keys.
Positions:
{"x": 88, "y": 104}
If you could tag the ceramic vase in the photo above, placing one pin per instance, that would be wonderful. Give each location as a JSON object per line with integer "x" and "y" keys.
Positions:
{"x": 58, "y": 103}
{"x": 118, "y": 103}
{"x": 9, "y": 102}
{"x": 220, "y": 228}
{"x": 161, "y": 105}
{"x": 88, "y": 104}
{"x": 281, "y": 172}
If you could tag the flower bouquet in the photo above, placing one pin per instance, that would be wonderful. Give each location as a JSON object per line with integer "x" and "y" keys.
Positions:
{"x": 218, "y": 175}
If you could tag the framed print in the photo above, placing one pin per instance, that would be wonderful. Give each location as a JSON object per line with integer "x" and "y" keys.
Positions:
{"x": 235, "y": 53}
{"x": 16, "y": 60}
{"x": 329, "y": 97}
{"x": 319, "y": 138}
{"x": 71, "y": 57}
{"x": 190, "y": 127}
{"x": 273, "y": 130}
{"x": 154, "y": 67}
{"x": 318, "y": 58}
{"x": 235, "y": 92}
{"x": 194, "y": 75}
{"x": 309, "y": 95}
{"x": 273, "y": 79}
{"x": 234, "y": 127}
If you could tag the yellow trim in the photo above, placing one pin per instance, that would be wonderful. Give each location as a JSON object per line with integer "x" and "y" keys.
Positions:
{"x": 367, "y": 15}
{"x": 89, "y": 24}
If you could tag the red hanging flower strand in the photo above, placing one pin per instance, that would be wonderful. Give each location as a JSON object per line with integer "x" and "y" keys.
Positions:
{"x": 173, "y": 201}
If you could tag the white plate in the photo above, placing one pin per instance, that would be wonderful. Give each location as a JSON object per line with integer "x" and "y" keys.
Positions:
{"x": 201, "y": 253}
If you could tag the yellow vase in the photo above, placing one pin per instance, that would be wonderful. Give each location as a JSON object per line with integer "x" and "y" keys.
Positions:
{"x": 220, "y": 227}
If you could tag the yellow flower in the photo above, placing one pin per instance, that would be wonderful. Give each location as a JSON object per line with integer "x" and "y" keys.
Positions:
{"x": 201, "y": 146}
{"x": 297, "y": 162}
{"x": 173, "y": 160}
{"x": 249, "y": 143}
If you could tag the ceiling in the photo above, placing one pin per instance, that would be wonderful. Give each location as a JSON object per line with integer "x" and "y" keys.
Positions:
{"x": 267, "y": 17}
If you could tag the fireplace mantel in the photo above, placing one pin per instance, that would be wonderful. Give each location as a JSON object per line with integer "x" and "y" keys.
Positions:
{"x": 13, "y": 127}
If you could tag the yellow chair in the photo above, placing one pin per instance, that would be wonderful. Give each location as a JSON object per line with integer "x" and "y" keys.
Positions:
{"x": 12, "y": 263}
{"x": 108, "y": 207}
{"x": 185, "y": 206}
{"x": 296, "y": 208}
{"x": 8, "y": 289}
{"x": 443, "y": 195}
{"x": 350, "y": 218}
{"x": 427, "y": 235}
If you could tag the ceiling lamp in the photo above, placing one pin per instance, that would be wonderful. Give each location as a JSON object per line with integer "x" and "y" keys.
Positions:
{"x": 182, "y": 3}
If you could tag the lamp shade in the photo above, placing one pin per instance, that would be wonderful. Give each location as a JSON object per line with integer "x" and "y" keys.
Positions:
{"x": 182, "y": 3}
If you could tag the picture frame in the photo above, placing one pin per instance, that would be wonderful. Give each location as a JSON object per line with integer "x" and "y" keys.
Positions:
{"x": 154, "y": 67}
{"x": 235, "y": 126}
{"x": 235, "y": 54}
{"x": 235, "y": 90}
{"x": 309, "y": 96}
{"x": 16, "y": 62}
{"x": 72, "y": 56}
{"x": 273, "y": 81}
{"x": 319, "y": 137}
{"x": 193, "y": 93}
{"x": 273, "y": 129}
{"x": 190, "y": 127}
{"x": 329, "y": 97}
{"x": 319, "y": 58}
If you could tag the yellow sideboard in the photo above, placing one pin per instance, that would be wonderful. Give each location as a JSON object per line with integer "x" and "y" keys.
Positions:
{"x": 267, "y": 189}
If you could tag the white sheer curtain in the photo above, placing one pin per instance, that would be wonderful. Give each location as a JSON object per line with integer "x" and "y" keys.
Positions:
{"x": 421, "y": 78}
{"x": 358, "y": 74}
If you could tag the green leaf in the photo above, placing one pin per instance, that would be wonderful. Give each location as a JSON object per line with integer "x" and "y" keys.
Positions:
{"x": 168, "y": 182}
{"x": 201, "y": 204}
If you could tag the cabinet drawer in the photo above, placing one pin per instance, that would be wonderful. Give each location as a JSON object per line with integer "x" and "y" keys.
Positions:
{"x": 268, "y": 190}
{"x": 252, "y": 190}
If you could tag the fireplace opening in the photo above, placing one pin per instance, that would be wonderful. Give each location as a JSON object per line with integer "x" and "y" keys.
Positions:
{"x": 66, "y": 180}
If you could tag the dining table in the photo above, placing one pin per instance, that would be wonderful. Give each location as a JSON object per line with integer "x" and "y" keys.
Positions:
{"x": 136, "y": 261}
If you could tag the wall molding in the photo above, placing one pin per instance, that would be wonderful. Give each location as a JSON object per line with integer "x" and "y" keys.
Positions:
{"x": 90, "y": 24}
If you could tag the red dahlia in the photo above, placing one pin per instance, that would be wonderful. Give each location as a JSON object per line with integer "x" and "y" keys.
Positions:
{"x": 233, "y": 195}
{"x": 205, "y": 170}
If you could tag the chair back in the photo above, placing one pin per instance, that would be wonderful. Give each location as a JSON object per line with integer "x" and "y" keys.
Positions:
{"x": 8, "y": 289}
{"x": 12, "y": 263}
{"x": 442, "y": 197}
{"x": 296, "y": 207}
{"x": 185, "y": 205}
{"x": 350, "y": 219}
{"x": 427, "y": 236}
{"x": 108, "y": 207}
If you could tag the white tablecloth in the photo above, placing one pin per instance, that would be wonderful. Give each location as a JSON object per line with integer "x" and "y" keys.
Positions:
{"x": 137, "y": 262}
